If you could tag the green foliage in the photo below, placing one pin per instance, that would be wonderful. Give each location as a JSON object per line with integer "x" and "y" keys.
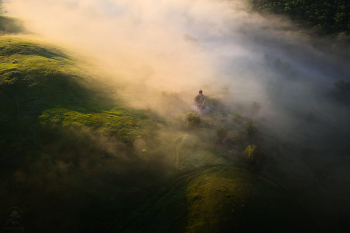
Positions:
{"x": 251, "y": 153}
{"x": 221, "y": 133}
{"x": 237, "y": 117}
{"x": 322, "y": 16}
{"x": 250, "y": 129}
{"x": 250, "y": 126}
{"x": 193, "y": 119}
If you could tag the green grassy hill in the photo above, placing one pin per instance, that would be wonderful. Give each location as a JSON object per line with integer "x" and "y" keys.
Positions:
{"x": 75, "y": 158}
{"x": 10, "y": 25}
{"x": 43, "y": 87}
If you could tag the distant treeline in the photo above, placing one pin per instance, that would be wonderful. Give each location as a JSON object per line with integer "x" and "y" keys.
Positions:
{"x": 323, "y": 16}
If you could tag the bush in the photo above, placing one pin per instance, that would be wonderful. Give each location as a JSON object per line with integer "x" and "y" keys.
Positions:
{"x": 237, "y": 117}
{"x": 193, "y": 119}
{"x": 221, "y": 133}
{"x": 251, "y": 153}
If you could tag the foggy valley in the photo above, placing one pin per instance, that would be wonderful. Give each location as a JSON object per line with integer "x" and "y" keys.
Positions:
{"x": 98, "y": 134}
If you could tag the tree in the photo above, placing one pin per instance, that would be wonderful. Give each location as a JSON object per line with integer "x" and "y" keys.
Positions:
{"x": 322, "y": 16}
{"x": 251, "y": 153}
{"x": 193, "y": 119}
{"x": 250, "y": 126}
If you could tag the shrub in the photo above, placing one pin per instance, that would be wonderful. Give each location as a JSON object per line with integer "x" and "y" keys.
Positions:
{"x": 193, "y": 119}
{"x": 221, "y": 133}
{"x": 251, "y": 153}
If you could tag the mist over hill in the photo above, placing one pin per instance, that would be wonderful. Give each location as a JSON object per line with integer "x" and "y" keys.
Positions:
{"x": 99, "y": 124}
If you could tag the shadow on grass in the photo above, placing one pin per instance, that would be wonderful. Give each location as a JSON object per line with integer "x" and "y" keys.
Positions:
{"x": 11, "y": 26}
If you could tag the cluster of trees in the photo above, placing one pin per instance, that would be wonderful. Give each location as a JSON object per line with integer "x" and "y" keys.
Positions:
{"x": 249, "y": 125}
{"x": 323, "y": 16}
{"x": 193, "y": 120}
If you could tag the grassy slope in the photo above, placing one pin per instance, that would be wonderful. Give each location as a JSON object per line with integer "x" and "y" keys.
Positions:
{"x": 71, "y": 151}
{"x": 44, "y": 83}
{"x": 218, "y": 198}
{"x": 10, "y": 25}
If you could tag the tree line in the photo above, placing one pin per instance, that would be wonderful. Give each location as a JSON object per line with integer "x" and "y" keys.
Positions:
{"x": 322, "y": 16}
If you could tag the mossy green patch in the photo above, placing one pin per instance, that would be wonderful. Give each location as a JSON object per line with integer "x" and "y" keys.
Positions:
{"x": 7, "y": 66}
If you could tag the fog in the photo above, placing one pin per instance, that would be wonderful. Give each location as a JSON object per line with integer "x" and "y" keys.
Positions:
{"x": 183, "y": 46}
